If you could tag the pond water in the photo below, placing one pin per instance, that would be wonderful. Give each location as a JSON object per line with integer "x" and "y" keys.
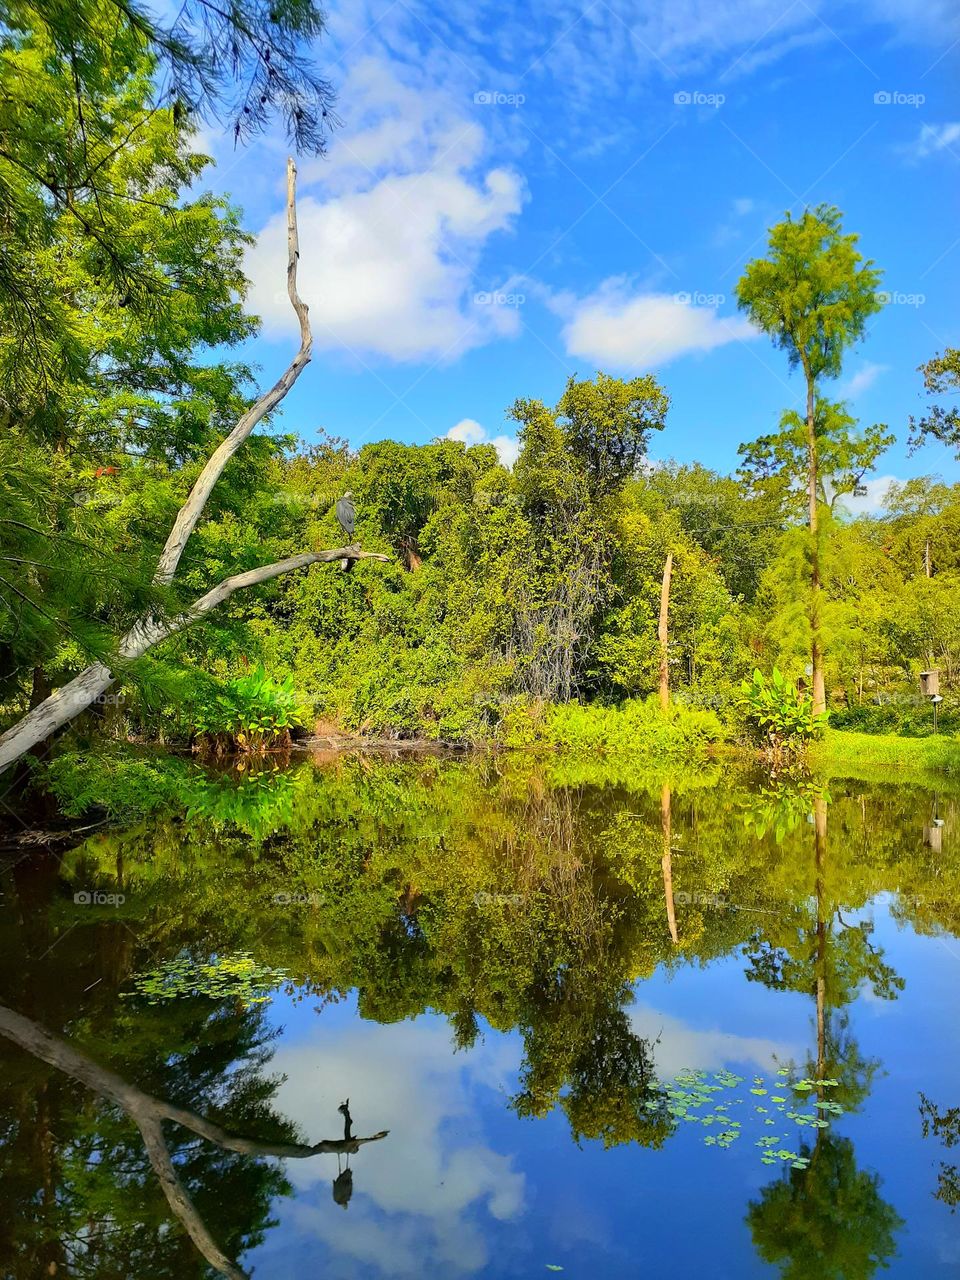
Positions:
{"x": 613, "y": 1024}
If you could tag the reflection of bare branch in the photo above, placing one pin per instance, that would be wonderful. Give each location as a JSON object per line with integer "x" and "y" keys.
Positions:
{"x": 159, "y": 1155}
{"x": 859, "y": 927}
{"x": 148, "y": 1112}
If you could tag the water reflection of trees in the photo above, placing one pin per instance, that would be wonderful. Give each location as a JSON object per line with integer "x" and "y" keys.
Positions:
{"x": 135, "y": 1115}
{"x": 148, "y": 1114}
{"x": 943, "y": 1124}
{"x": 827, "y": 1221}
{"x": 89, "y": 1184}
{"x": 515, "y": 897}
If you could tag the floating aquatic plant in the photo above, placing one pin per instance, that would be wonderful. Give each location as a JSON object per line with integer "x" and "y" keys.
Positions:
{"x": 693, "y": 1098}
{"x": 237, "y": 976}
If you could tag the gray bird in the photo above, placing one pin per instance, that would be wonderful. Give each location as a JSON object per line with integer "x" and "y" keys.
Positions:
{"x": 347, "y": 516}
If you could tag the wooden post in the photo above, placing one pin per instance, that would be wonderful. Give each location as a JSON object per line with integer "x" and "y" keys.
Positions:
{"x": 663, "y": 634}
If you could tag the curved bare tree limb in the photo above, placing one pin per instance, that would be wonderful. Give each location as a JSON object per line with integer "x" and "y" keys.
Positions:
{"x": 75, "y": 696}
{"x": 192, "y": 509}
{"x": 158, "y": 1153}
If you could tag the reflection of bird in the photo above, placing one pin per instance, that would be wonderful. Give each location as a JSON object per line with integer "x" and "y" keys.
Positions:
{"x": 347, "y": 516}
{"x": 343, "y": 1188}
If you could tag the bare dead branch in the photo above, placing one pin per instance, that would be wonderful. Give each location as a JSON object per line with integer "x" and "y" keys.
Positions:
{"x": 192, "y": 509}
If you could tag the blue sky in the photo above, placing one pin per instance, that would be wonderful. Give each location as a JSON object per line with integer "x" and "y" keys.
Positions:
{"x": 518, "y": 193}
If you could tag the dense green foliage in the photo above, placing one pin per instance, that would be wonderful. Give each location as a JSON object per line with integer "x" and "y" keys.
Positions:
{"x": 252, "y": 712}
{"x": 477, "y": 625}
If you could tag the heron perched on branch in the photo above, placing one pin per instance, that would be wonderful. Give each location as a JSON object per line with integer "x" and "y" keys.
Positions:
{"x": 347, "y": 516}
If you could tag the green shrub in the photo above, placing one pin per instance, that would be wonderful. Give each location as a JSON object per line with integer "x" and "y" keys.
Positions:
{"x": 779, "y": 714}
{"x": 252, "y": 712}
{"x": 634, "y": 728}
{"x": 909, "y": 719}
{"x": 521, "y": 724}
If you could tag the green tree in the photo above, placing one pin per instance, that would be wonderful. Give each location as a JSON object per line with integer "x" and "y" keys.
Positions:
{"x": 941, "y": 376}
{"x": 607, "y": 423}
{"x": 827, "y": 1221}
{"x": 94, "y": 456}
{"x": 207, "y": 401}
{"x": 813, "y": 294}
{"x": 68, "y": 118}
{"x": 779, "y": 462}
{"x": 574, "y": 462}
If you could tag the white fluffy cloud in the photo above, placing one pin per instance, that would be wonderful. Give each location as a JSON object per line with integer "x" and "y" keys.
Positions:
{"x": 392, "y": 228}
{"x": 681, "y": 1047}
{"x": 617, "y": 327}
{"x": 937, "y": 137}
{"x": 871, "y": 501}
{"x": 862, "y": 380}
{"x": 469, "y": 432}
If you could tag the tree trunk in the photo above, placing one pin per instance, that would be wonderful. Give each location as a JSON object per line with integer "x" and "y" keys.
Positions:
{"x": 820, "y": 852}
{"x": 816, "y": 642}
{"x": 72, "y": 698}
{"x": 663, "y": 634}
{"x": 40, "y": 687}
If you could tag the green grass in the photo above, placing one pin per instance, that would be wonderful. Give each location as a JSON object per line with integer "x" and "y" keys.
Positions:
{"x": 871, "y": 755}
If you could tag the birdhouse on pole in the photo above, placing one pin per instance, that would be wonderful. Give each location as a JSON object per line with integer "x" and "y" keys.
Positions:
{"x": 930, "y": 683}
{"x": 933, "y": 836}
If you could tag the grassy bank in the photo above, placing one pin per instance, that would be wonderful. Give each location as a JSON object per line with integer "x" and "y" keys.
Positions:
{"x": 876, "y": 756}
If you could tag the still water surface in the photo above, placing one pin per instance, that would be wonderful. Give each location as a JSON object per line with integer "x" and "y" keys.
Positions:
{"x": 614, "y": 1025}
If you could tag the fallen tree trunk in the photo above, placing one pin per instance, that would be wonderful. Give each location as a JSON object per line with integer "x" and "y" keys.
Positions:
{"x": 68, "y": 701}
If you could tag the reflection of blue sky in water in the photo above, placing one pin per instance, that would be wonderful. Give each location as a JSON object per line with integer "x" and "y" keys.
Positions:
{"x": 421, "y": 1195}
{"x": 462, "y": 1187}
{"x": 428, "y": 1198}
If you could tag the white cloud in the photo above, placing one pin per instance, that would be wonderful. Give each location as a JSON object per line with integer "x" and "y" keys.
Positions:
{"x": 872, "y": 500}
{"x": 621, "y": 329}
{"x": 392, "y": 228}
{"x": 603, "y": 52}
{"x": 861, "y": 381}
{"x": 681, "y": 1047}
{"x": 469, "y": 432}
{"x": 936, "y": 137}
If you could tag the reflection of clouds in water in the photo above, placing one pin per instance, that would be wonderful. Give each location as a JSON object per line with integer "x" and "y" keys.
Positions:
{"x": 429, "y": 1174}
{"x": 682, "y": 1046}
